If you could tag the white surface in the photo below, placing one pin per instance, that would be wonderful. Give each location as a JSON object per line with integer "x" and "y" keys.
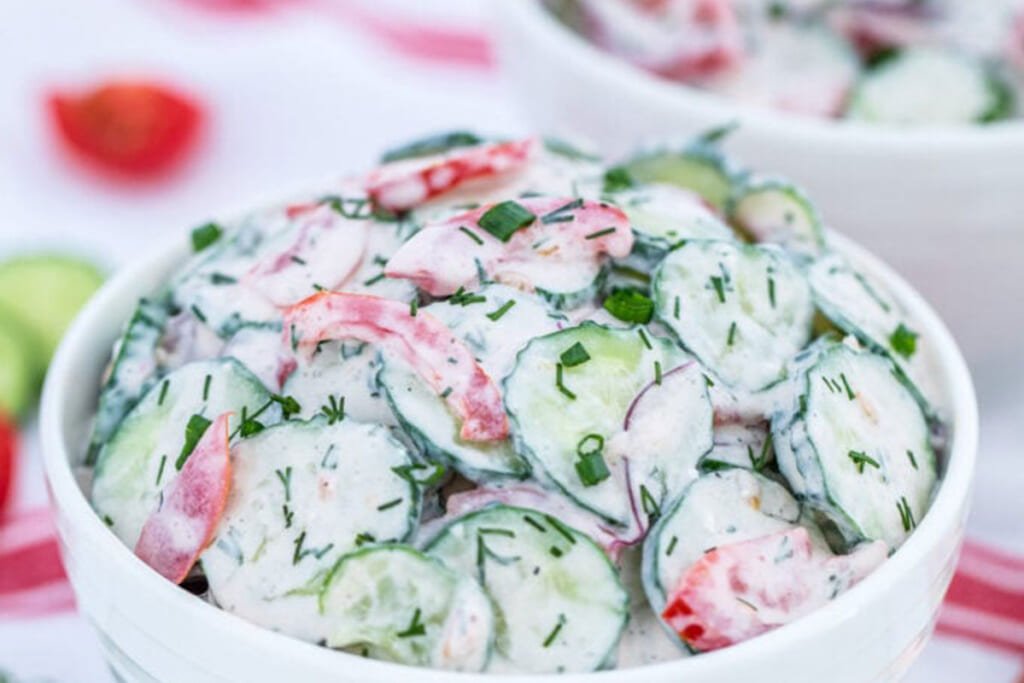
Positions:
{"x": 307, "y": 78}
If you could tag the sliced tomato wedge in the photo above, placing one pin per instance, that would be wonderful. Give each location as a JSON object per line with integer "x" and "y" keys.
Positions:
{"x": 8, "y": 453}
{"x": 175, "y": 534}
{"x": 129, "y": 128}
{"x": 739, "y": 591}
{"x": 405, "y": 184}
{"x": 324, "y": 250}
{"x": 447, "y": 255}
{"x": 420, "y": 340}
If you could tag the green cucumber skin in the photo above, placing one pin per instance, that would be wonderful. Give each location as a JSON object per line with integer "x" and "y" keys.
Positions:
{"x": 141, "y": 336}
{"x": 719, "y": 176}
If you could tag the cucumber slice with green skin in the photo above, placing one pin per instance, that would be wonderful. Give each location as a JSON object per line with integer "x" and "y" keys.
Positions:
{"x": 44, "y": 292}
{"x": 559, "y": 604}
{"x": 143, "y": 456}
{"x": 931, "y": 86}
{"x": 340, "y": 370}
{"x": 18, "y": 375}
{"x": 855, "y": 444}
{"x": 498, "y": 323}
{"x": 134, "y": 371}
{"x": 557, "y": 411}
{"x": 719, "y": 508}
{"x": 303, "y": 494}
{"x": 743, "y": 310}
{"x": 776, "y": 211}
{"x": 397, "y": 604}
{"x": 699, "y": 168}
{"x": 662, "y": 216}
{"x": 864, "y": 308}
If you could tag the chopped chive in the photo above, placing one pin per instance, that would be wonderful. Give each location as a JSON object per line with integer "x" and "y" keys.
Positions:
{"x": 163, "y": 392}
{"x": 535, "y": 524}
{"x": 285, "y": 477}
{"x": 561, "y": 387}
{"x": 758, "y": 462}
{"x": 206, "y": 387}
{"x": 771, "y": 291}
{"x": 860, "y": 459}
{"x": 388, "y": 505}
{"x": 913, "y": 460}
{"x": 160, "y": 472}
{"x": 504, "y": 219}
{"x": 643, "y": 337}
{"x": 846, "y": 385}
{"x": 414, "y": 306}
{"x": 472, "y": 235}
{"x": 447, "y": 392}
{"x": 415, "y": 628}
{"x": 630, "y": 305}
{"x": 574, "y": 355}
{"x": 221, "y": 279}
{"x": 363, "y": 538}
{"x": 560, "y": 528}
{"x": 657, "y": 372}
{"x": 289, "y": 406}
{"x": 374, "y": 280}
{"x": 631, "y": 273}
{"x": 719, "y": 285}
{"x": 803, "y": 403}
{"x": 732, "y": 334}
{"x": 494, "y": 316}
{"x": 299, "y": 261}
{"x": 205, "y": 235}
{"x": 289, "y": 515}
{"x": 647, "y": 502}
{"x": 554, "y": 632}
{"x": 496, "y": 531}
{"x": 906, "y": 514}
{"x": 463, "y": 298}
{"x": 600, "y": 233}
{"x": 561, "y": 215}
{"x": 675, "y": 310}
{"x": 556, "y": 551}
{"x": 671, "y": 546}
{"x": 334, "y": 409}
{"x": 198, "y": 313}
{"x": 194, "y": 430}
{"x": 708, "y": 381}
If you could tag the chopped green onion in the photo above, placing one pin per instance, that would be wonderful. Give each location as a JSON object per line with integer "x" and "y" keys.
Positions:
{"x": 574, "y": 355}
{"x": 590, "y": 444}
{"x": 504, "y": 219}
{"x": 194, "y": 430}
{"x": 630, "y": 305}
{"x": 592, "y": 469}
{"x": 205, "y": 235}
{"x": 494, "y": 316}
{"x": 617, "y": 179}
{"x": 903, "y": 341}
{"x": 600, "y": 233}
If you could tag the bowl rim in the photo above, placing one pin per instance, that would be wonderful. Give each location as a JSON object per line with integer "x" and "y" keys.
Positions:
{"x": 944, "y": 515}
{"x": 852, "y": 137}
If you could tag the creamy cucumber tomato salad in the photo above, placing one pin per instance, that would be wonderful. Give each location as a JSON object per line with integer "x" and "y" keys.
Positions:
{"x": 900, "y": 62}
{"x": 497, "y": 406}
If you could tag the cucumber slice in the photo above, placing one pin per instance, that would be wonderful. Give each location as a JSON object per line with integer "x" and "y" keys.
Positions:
{"x": 864, "y": 308}
{"x": 931, "y": 86}
{"x": 662, "y": 216}
{"x": 719, "y": 508}
{"x": 44, "y": 292}
{"x": 559, "y": 605}
{"x": 743, "y": 310}
{"x": 775, "y": 210}
{"x": 303, "y": 494}
{"x": 141, "y": 459}
{"x": 854, "y": 444}
{"x": 18, "y": 368}
{"x": 340, "y": 370}
{"x": 134, "y": 370}
{"x": 699, "y": 168}
{"x": 396, "y": 604}
{"x": 560, "y": 409}
{"x": 495, "y": 329}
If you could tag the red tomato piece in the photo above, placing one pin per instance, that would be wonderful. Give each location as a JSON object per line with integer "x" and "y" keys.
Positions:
{"x": 133, "y": 129}
{"x": 8, "y": 453}
{"x": 176, "y": 533}
{"x": 421, "y": 340}
{"x": 741, "y": 590}
{"x": 442, "y": 257}
{"x": 405, "y": 184}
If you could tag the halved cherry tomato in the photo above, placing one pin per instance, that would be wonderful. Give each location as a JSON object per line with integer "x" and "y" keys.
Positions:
{"x": 740, "y": 590}
{"x": 8, "y": 453}
{"x": 403, "y": 185}
{"x": 419, "y": 339}
{"x": 181, "y": 528}
{"x": 442, "y": 257}
{"x": 134, "y": 129}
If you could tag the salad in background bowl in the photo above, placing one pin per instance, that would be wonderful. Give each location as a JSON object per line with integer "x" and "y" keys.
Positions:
{"x": 500, "y": 407}
{"x": 940, "y": 202}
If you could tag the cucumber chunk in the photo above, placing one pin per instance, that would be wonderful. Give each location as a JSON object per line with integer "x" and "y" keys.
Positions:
{"x": 864, "y": 308}
{"x": 146, "y": 452}
{"x": 133, "y": 372}
{"x": 700, "y": 169}
{"x": 719, "y": 508}
{"x": 18, "y": 369}
{"x": 662, "y": 216}
{"x": 495, "y": 329}
{"x": 396, "y": 604}
{"x": 774, "y": 210}
{"x": 303, "y": 494}
{"x": 44, "y": 292}
{"x": 563, "y": 411}
{"x": 855, "y": 445}
{"x": 931, "y": 86}
{"x": 559, "y": 605}
{"x": 743, "y": 310}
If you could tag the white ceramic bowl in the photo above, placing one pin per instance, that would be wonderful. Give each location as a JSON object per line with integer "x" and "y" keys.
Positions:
{"x": 153, "y": 631}
{"x": 944, "y": 206}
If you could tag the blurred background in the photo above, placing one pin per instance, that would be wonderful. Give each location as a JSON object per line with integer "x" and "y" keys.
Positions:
{"x": 266, "y": 96}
